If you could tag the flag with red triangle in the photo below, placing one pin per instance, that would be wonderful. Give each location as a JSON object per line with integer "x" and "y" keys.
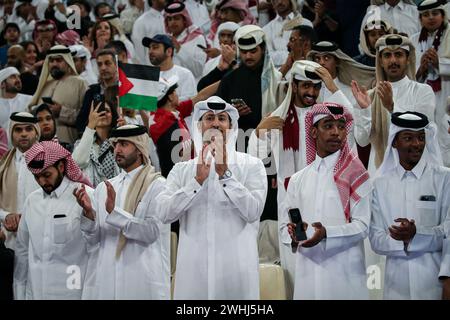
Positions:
{"x": 138, "y": 86}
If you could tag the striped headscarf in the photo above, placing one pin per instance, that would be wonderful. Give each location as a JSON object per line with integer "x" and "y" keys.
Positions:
{"x": 349, "y": 172}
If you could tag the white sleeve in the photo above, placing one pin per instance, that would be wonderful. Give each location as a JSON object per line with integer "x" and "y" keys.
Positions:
{"x": 144, "y": 230}
{"x": 382, "y": 243}
{"x": 90, "y": 230}
{"x": 192, "y": 57}
{"x": 340, "y": 238}
{"x": 82, "y": 151}
{"x": 426, "y": 102}
{"x": 21, "y": 257}
{"x": 363, "y": 125}
{"x": 259, "y": 148}
{"x": 250, "y": 198}
{"x": 175, "y": 200}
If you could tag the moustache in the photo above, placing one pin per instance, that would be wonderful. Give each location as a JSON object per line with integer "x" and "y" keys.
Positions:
{"x": 394, "y": 65}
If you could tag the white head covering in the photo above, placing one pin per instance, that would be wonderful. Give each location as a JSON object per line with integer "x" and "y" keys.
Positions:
{"x": 249, "y": 37}
{"x": 165, "y": 85}
{"x": 7, "y": 72}
{"x": 229, "y": 25}
{"x": 411, "y": 121}
{"x": 347, "y": 69}
{"x": 58, "y": 50}
{"x": 370, "y": 25}
{"x": 216, "y": 105}
{"x": 303, "y": 70}
{"x": 80, "y": 51}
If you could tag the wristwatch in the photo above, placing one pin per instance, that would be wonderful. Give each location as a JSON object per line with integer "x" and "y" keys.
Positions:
{"x": 226, "y": 175}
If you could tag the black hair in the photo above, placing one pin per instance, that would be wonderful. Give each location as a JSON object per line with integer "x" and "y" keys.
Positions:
{"x": 307, "y": 32}
{"x": 107, "y": 52}
{"x": 99, "y": 6}
{"x": 118, "y": 46}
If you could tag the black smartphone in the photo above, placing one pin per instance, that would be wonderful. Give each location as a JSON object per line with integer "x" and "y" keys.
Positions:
{"x": 56, "y": 216}
{"x": 296, "y": 217}
{"x": 99, "y": 98}
{"x": 238, "y": 101}
{"x": 47, "y": 100}
{"x": 201, "y": 47}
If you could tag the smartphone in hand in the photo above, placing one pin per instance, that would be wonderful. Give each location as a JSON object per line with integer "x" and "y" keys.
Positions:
{"x": 201, "y": 47}
{"x": 48, "y": 100}
{"x": 296, "y": 217}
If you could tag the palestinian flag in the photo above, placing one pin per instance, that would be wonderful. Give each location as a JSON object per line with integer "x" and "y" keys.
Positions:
{"x": 138, "y": 86}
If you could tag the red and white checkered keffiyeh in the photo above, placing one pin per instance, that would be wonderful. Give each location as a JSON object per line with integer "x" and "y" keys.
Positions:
{"x": 349, "y": 172}
{"x": 50, "y": 152}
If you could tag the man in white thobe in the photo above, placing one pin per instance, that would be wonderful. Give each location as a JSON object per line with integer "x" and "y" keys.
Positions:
{"x": 333, "y": 196}
{"x": 288, "y": 147}
{"x": 16, "y": 181}
{"x": 410, "y": 205}
{"x": 218, "y": 197}
{"x": 396, "y": 91}
{"x": 186, "y": 37}
{"x": 121, "y": 224}
{"x": 10, "y": 99}
{"x": 51, "y": 255}
{"x": 149, "y": 24}
{"x": 401, "y": 14}
{"x": 277, "y": 37}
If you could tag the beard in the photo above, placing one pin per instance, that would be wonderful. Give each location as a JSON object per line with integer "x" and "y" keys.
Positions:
{"x": 48, "y": 188}
{"x": 126, "y": 161}
{"x": 57, "y": 73}
{"x": 13, "y": 88}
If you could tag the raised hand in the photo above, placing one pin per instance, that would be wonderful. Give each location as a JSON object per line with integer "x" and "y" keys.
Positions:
{"x": 110, "y": 201}
{"x": 361, "y": 95}
{"x": 11, "y": 222}
{"x": 384, "y": 91}
{"x": 203, "y": 165}
{"x": 84, "y": 202}
{"x": 268, "y": 123}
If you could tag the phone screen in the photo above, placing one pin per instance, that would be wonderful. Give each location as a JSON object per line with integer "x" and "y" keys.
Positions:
{"x": 296, "y": 218}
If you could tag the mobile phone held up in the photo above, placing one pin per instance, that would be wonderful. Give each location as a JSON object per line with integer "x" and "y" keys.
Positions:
{"x": 201, "y": 46}
{"x": 296, "y": 217}
{"x": 99, "y": 98}
{"x": 237, "y": 102}
{"x": 47, "y": 100}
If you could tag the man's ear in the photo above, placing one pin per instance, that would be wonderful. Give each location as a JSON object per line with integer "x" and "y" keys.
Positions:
{"x": 394, "y": 143}
{"x": 313, "y": 132}
{"x": 61, "y": 166}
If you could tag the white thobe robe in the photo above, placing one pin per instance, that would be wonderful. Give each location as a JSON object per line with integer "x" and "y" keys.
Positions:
{"x": 190, "y": 56}
{"x": 335, "y": 267}
{"x": 397, "y": 194}
{"x": 51, "y": 255}
{"x": 442, "y": 95}
{"x": 142, "y": 271}
{"x": 219, "y": 220}
{"x": 408, "y": 95}
{"x": 199, "y": 14}
{"x": 149, "y": 24}
{"x": 274, "y": 143}
{"x": 26, "y": 184}
{"x": 277, "y": 39}
{"x": 404, "y": 17}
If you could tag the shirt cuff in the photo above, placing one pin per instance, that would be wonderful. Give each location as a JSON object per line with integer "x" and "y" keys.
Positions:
{"x": 119, "y": 218}
{"x": 87, "y": 224}
{"x": 445, "y": 262}
{"x": 192, "y": 188}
